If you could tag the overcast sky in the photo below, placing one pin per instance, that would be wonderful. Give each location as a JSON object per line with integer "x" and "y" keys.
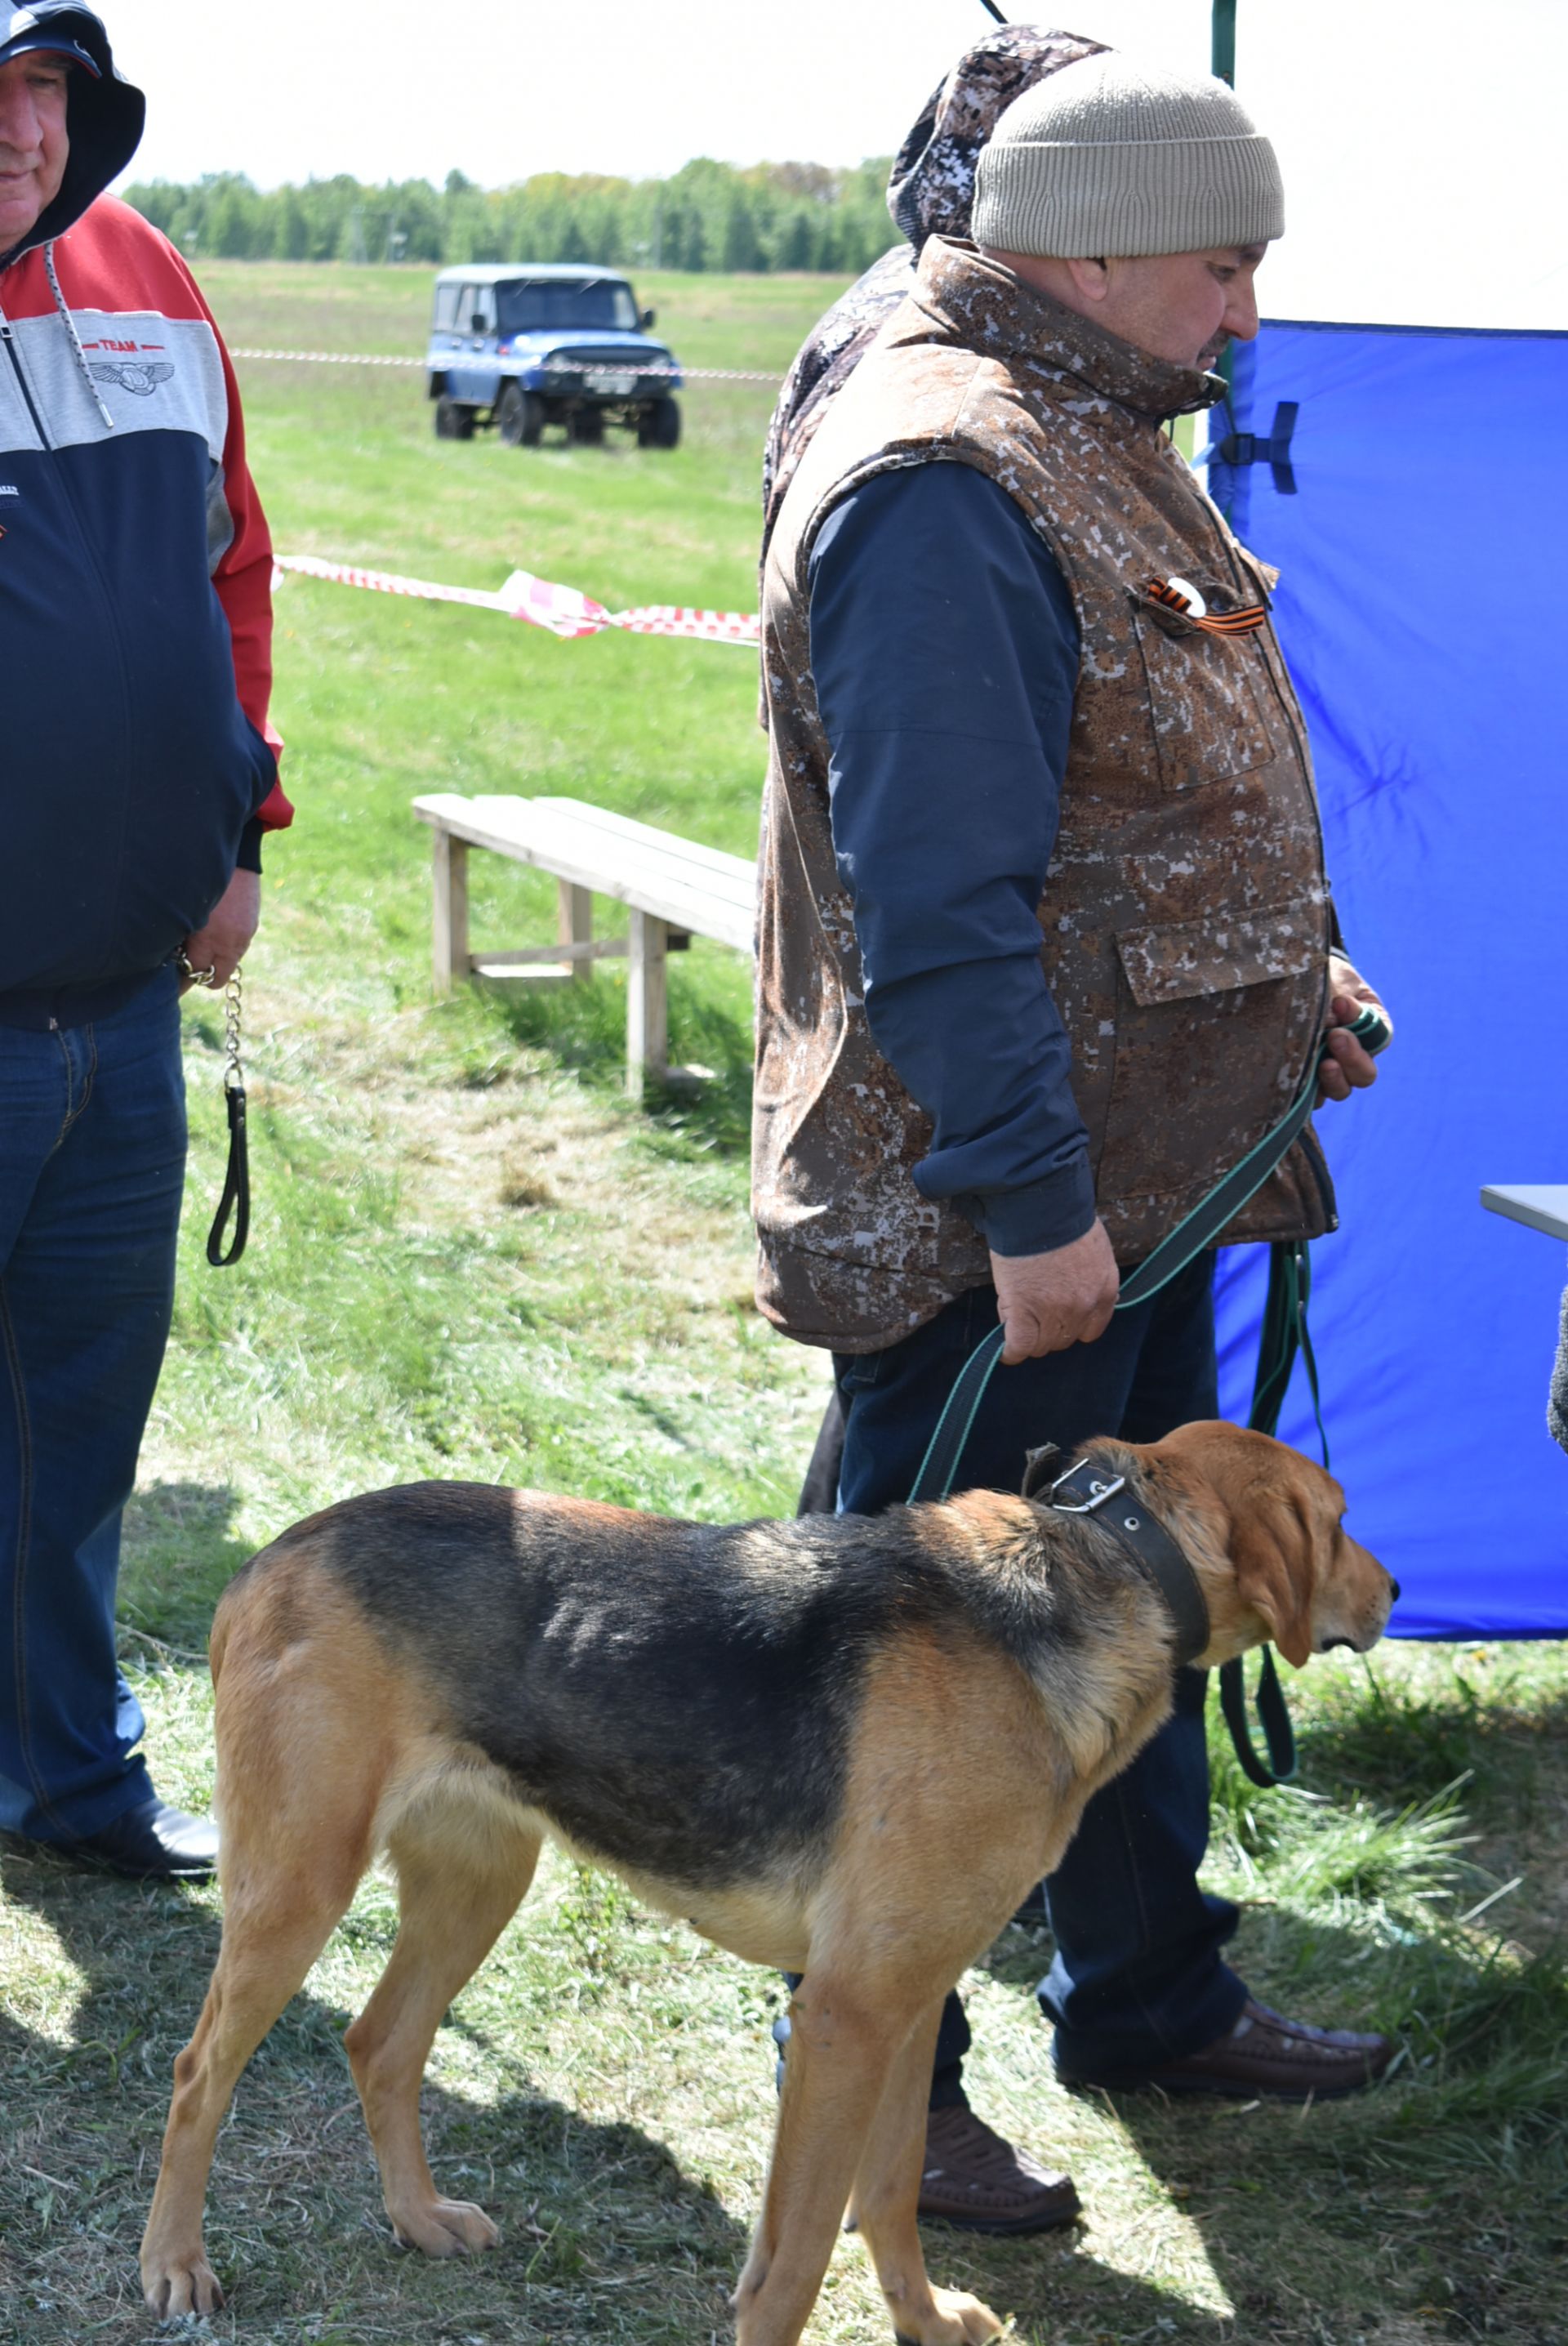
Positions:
{"x": 1420, "y": 139}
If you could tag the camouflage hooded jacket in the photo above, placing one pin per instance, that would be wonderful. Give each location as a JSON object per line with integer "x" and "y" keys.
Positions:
{"x": 1184, "y": 925}
{"x": 931, "y": 190}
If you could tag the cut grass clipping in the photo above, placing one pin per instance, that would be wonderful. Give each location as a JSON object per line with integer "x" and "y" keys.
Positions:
{"x": 470, "y": 1257}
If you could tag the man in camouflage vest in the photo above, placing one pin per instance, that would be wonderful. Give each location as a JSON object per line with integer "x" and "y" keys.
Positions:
{"x": 1045, "y": 943}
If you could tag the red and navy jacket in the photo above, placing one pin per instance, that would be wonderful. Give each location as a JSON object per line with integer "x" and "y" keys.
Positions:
{"x": 136, "y": 765}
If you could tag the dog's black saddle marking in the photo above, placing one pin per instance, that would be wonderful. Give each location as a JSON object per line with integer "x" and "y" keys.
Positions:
{"x": 678, "y": 1697}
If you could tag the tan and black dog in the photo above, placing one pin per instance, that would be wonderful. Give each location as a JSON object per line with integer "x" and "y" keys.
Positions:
{"x": 843, "y": 1747}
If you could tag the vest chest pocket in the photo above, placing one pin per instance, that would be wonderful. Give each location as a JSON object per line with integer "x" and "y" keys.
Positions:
{"x": 1215, "y": 1023}
{"x": 1203, "y": 700}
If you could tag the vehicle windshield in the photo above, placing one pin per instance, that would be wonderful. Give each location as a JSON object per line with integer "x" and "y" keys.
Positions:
{"x": 528, "y": 304}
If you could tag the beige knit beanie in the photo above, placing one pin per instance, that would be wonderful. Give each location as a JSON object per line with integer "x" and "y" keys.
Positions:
{"x": 1110, "y": 156}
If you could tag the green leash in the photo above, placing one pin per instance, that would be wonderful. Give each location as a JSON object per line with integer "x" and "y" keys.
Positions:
{"x": 1241, "y": 1184}
{"x": 1284, "y": 1337}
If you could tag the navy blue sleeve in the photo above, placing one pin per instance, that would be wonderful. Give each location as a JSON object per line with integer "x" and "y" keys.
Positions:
{"x": 945, "y": 649}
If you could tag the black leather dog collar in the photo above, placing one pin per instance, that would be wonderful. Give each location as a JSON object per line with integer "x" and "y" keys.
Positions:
{"x": 1089, "y": 1488}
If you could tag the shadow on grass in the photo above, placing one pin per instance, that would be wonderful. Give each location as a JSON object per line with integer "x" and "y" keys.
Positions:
{"x": 1393, "y": 1737}
{"x": 178, "y": 1553}
{"x": 602, "y": 2232}
{"x": 1441, "y": 2193}
{"x": 605, "y": 2236}
{"x": 584, "y": 1027}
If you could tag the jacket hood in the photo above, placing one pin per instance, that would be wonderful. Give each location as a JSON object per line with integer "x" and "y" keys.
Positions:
{"x": 932, "y": 185}
{"x": 104, "y": 116}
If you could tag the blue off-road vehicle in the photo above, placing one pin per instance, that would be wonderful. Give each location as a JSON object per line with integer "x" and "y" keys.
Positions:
{"x": 521, "y": 346}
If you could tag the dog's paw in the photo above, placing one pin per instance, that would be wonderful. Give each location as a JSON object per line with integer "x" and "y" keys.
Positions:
{"x": 957, "y": 2319}
{"x": 445, "y": 2227}
{"x": 175, "y": 2285}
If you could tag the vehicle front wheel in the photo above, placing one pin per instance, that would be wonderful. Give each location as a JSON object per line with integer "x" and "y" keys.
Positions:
{"x": 452, "y": 421}
{"x": 658, "y": 425}
{"x": 519, "y": 416}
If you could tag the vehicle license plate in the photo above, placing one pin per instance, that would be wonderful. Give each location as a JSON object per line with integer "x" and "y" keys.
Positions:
{"x": 612, "y": 386}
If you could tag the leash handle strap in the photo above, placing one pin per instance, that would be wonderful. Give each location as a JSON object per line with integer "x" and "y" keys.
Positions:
{"x": 236, "y": 1188}
{"x": 236, "y": 1195}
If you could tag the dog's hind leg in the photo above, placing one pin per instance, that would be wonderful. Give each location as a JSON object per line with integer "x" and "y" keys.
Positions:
{"x": 461, "y": 1878}
{"x": 284, "y": 1897}
{"x": 842, "y": 2047}
{"x": 887, "y": 2195}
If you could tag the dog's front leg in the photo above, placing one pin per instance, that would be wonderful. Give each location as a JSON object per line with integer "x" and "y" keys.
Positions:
{"x": 886, "y": 2198}
{"x": 840, "y": 2048}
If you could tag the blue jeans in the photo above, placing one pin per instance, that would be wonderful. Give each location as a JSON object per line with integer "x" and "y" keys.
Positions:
{"x": 1138, "y": 1978}
{"x": 92, "y": 1163}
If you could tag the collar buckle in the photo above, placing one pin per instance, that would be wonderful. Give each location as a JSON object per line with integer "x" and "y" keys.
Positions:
{"x": 1082, "y": 1502}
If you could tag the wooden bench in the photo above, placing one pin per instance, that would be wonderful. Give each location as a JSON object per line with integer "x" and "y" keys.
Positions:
{"x": 673, "y": 888}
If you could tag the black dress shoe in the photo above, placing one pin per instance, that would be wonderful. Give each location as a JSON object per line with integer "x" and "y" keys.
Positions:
{"x": 153, "y": 1842}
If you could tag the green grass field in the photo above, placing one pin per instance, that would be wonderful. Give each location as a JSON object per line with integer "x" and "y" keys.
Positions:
{"x": 472, "y": 1258}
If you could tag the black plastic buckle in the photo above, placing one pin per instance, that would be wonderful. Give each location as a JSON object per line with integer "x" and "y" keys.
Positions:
{"x": 1239, "y": 448}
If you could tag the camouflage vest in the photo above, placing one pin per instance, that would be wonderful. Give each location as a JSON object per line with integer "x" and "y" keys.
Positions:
{"x": 1185, "y": 922}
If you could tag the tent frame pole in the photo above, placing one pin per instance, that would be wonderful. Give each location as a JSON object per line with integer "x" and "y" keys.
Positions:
{"x": 1222, "y": 42}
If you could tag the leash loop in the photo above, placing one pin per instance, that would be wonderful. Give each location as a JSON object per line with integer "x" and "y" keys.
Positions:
{"x": 1283, "y": 1336}
{"x": 235, "y": 1197}
{"x": 1274, "y": 1716}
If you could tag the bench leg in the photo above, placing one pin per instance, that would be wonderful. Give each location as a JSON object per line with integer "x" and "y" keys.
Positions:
{"x": 647, "y": 1024}
{"x": 450, "y": 874}
{"x": 574, "y": 925}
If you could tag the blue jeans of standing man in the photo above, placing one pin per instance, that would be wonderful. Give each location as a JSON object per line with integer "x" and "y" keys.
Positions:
{"x": 92, "y": 1163}
{"x": 1138, "y": 1978}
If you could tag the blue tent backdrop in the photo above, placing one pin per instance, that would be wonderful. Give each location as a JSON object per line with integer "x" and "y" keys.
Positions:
{"x": 1422, "y": 532}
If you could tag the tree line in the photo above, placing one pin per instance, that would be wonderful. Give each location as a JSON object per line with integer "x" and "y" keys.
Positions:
{"x": 707, "y": 216}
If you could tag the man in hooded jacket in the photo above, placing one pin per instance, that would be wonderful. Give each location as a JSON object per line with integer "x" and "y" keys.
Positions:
{"x": 930, "y": 192}
{"x": 136, "y": 776}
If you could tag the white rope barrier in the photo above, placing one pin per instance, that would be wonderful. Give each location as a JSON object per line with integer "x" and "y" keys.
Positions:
{"x": 562, "y": 610}
{"x": 597, "y": 366}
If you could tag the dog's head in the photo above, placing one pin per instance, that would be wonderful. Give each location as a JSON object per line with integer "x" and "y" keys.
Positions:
{"x": 1270, "y": 1548}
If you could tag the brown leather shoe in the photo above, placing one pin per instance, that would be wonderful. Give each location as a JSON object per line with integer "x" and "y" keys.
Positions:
{"x": 975, "y": 2180}
{"x": 1264, "y": 2054}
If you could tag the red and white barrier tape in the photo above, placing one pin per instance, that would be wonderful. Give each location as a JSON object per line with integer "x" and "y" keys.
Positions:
{"x": 560, "y": 610}
{"x": 598, "y": 366}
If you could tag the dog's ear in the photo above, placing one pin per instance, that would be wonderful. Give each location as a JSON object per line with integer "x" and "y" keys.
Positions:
{"x": 1275, "y": 1556}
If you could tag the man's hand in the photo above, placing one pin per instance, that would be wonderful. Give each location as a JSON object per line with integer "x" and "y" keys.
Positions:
{"x": 231, "y": 926}
{"x": 1047, "y": 1301}
{"x": 1346, "y": 1066}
